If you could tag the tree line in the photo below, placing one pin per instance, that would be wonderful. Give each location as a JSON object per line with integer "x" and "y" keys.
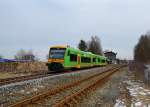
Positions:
{"x": 142, "y": 49}
{"x": 94, "y": 46}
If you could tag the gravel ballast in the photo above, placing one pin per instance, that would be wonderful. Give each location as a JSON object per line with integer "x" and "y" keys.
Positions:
{"x": 14, "y": 92}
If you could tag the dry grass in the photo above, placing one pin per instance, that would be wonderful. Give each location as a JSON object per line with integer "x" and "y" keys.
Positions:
{"x": 23, "y": 67}
{"x": 4, "y": 75}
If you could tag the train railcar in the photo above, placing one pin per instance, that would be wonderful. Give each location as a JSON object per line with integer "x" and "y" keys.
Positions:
{"x": 65, "y": 57}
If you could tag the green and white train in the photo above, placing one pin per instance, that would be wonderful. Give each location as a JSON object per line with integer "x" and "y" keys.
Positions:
{"x": 65, "y": 57}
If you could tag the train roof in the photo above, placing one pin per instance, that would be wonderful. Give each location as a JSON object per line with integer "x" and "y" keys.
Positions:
{"x": 82, "y": 52}
{"x": 59, "y": 46}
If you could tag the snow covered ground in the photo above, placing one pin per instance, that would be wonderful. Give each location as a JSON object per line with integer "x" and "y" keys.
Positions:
{"x": 137, "y": 90}
{"x": 140, "y": 95}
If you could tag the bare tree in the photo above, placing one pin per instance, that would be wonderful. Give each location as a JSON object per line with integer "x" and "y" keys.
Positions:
{"x": 1, "y": 56}
{"x": 20, "y": 54}
{"x": 82, "y": 45}
{"x": 95, "y": 45}
{"x": 25, "y": 55}
{"x": 47, "y": 56}
{"x": 142, "y": 49}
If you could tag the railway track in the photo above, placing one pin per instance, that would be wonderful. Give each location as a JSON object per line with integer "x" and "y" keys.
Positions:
{"x": 22, "y": 78}
{"x": 28, "y": 77}
{"x": 67, "y": 94}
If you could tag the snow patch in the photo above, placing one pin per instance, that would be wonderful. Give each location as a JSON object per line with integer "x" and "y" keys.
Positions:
{"x": 138, "y": 93}
{"x": 119, "y": 103}
{"x": 138, "y": 104}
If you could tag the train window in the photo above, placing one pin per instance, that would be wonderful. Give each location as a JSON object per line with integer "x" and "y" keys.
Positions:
{"x": 73, "y": 57}
{"x": 94, "y": 59}
{"x": 68, "y": 53}
{"x": 99, "y": 60}
{"x": 103, "y": 61}
{"x": 88, "y": 60}
{"x": 82, "y": 59}
{"x": 85, "y": 60}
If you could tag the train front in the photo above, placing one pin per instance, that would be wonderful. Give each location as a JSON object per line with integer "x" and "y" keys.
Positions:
{"x": 56, "y": 58}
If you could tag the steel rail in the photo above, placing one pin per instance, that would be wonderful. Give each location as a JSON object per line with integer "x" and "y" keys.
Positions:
{"x": 22, "y": 78}
{"x": 54, "y": 91}
{"x": 29, "y": 77}
{"x": 77, "y": 96}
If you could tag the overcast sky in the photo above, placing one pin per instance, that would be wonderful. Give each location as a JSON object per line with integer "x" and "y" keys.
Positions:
{"x": 38, "y": 24}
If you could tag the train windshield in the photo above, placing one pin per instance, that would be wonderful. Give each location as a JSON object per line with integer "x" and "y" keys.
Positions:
{"x": 57, "y": 53}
